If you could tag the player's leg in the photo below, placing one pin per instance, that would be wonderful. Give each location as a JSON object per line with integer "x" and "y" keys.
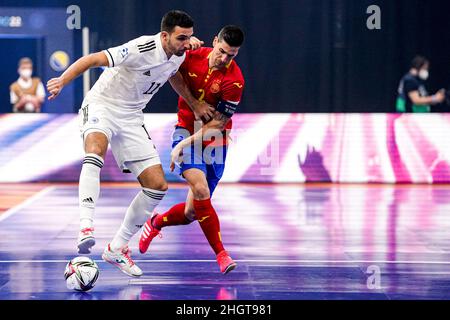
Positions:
{"x": 179, "y": 214}
{"x": 207, "y": 216}
{"x": 133, "y": 148}
{"x": 95, "y": 146}
{"x": 154, "y": 187}
{"x": 204, "y": 211}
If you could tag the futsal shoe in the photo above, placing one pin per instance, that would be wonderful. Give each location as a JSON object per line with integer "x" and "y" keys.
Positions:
{"x": 122, "y": 260}
{"x": 147, "y": 235}
{"x": 225, "y": 262}
{"x": 86, "y": 240}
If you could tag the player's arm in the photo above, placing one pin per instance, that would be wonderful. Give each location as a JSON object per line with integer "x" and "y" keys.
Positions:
{"x": 201, "y": 109}
{"x": 55, "y": 85}
{"x": 218, "y": 123}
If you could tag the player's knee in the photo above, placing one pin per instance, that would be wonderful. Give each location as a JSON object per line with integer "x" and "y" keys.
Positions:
{"x": 160, "y": 185}
{"x": 153, "y": 180}
{"x": 96, "y": 149}
{"x": 201, "y": 191}
{"x": 163, "y": 186}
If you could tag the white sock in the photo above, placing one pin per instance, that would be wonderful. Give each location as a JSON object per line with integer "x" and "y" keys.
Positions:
{"x": 89, "y": 188}
{"x": 137, "y": 214}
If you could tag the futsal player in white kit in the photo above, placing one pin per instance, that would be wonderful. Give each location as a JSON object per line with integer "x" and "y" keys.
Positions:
{"x": 112, "y": 113}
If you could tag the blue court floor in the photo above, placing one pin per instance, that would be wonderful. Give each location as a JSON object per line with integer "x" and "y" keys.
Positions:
{"x": 291, "y": 242}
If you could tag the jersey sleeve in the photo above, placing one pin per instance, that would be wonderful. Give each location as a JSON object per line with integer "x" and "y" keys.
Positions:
{"x": 129, "y": 53}
{"x": 231, "y": 96}
{"x": 232, "y": 91}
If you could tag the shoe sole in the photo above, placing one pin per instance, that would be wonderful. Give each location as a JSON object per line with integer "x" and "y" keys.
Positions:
{"x": 84, "y": 247}
{"x": 231, "y": 267}
{"x": 119, "y": 267}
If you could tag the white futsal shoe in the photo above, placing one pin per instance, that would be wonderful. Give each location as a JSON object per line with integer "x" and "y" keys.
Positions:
{"x": 86, "y": 240}
{"x": 122, "y": 260}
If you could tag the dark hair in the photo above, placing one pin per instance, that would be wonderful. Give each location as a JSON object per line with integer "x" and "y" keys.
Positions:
{"x": 175, "y": 18}
{"x": 418, "y": 62}
{"x": 233, "y": 35}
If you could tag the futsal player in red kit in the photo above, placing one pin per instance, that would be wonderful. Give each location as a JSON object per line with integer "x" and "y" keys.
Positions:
{"x": 210, "y": 82}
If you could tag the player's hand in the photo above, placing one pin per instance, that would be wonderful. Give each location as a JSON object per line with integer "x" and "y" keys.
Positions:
{"x": 195, "y": 43}
{"x": 54, "y": 86}
{"x": 203, "y": 110}
{"x": 175, "y": 155}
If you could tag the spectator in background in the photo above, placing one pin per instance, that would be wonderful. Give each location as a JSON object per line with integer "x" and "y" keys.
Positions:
{"x": 27, "y": 93}
{"x": 412, "y": 95}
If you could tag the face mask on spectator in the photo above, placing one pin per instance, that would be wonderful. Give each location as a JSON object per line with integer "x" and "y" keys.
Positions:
{"x": 424, "y": 74}
{"x": 25, "y": 73}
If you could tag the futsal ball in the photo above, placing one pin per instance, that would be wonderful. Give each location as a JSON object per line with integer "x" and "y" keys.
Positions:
{"x": 81, "y": 274}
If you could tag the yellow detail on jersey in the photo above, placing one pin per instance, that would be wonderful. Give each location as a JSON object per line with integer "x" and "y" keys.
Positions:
{"x": 165, "y": 219}
{"x": 237, "y": 84}
{"x": 203, "y": 219}
{"x": 220, "y": 236}
{"x": 202, "y": 94}
{"x": 193, "y": 75}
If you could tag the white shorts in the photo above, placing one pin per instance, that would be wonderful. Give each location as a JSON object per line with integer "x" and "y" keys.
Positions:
{"x": 126, "y": 133}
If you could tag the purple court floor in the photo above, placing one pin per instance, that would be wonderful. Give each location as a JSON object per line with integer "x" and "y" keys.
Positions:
{"x": 290, "y": 242}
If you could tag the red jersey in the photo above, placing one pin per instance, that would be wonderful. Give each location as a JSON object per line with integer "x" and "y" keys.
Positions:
{"x": 211, "y": 86}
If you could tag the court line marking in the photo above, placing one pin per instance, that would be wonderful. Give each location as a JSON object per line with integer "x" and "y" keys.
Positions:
{"x": 26, "y": 203}
{"x": 251, "y": 261}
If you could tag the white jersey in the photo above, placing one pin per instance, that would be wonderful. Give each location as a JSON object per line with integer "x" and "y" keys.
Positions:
{"x": 136, "y": 71}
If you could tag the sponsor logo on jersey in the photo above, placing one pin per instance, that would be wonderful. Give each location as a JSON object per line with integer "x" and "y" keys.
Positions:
{"x": 237, "y": 84}
{"x": 192, "y": 75}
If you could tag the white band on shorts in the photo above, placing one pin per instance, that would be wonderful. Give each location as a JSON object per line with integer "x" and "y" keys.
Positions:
{"x": 137, "y": 167}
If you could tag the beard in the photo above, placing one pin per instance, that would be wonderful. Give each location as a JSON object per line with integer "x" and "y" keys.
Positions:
{"x": 177, "y": 52}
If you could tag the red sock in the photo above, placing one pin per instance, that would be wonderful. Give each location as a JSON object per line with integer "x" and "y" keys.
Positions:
{"x": 209, "y": 222}
{"x": 174, "y": 217}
